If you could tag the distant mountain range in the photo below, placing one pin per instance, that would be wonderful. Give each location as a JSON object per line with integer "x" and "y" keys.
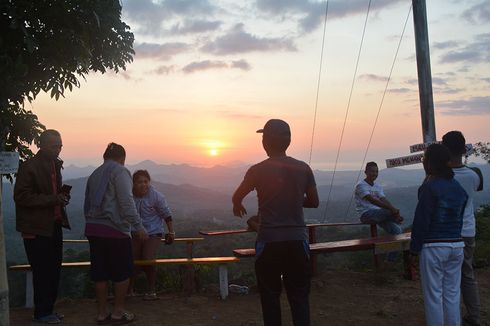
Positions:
{"x": 201, "y": 196}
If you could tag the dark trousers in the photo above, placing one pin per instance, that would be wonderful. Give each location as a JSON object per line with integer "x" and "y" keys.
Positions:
{"x": 44, "y": 255}
{"x": 289, "y": 259}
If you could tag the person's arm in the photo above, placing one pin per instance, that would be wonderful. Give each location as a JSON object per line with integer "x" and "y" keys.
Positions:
{"x": 311, "y": 198}
{"x": 240, "y": 193}
{"x": 25, "y": 194}
{"x": 421, "y": 221}
{"x": 383, "y": 203}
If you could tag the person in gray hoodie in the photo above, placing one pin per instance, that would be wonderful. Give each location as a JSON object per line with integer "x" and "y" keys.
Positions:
{"x": 111, "y": 215}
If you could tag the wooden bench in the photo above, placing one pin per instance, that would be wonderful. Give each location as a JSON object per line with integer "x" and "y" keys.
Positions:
{"x": 188, "y": 241}
{"x": 311, "y": 236}
{"x": 220, "y": 261}
{"x": 379, "y": 245}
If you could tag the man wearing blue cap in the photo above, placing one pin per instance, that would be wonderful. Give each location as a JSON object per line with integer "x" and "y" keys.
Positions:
{"x": 284, "y": 186}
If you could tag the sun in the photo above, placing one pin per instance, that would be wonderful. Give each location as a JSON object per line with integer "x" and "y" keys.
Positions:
{"x": 213, "y": 152}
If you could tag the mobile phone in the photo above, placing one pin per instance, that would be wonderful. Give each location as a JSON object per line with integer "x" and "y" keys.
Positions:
{"x": 66, "y": 189}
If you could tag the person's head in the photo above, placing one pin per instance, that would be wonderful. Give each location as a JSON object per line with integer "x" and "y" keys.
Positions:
{"x": 141, "y": 182}
{"x": 436, "y": 161}
{"x": 115, "y": 152}
{"x": 455, "y": 142}
{"x": 50, "y": 143}
{"x": 371, "y": 171}
{"x": 276, "y": 137}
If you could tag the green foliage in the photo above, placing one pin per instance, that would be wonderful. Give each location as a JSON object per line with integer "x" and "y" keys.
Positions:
{"x": 482, "y": 253}
{"x": 482, "y": 149}
{"x": 47, "y": 45}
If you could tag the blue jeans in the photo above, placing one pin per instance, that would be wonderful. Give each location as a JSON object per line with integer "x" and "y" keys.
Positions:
{"x": 383, "y": 218}
{"x": 440, "y": 275}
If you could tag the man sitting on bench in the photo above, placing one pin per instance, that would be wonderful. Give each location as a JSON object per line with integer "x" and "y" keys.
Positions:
{"x": 372, "y": 205}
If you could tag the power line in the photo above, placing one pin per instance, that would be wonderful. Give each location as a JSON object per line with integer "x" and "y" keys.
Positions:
{"x": 346, "y": 112}
{"x": 319, "y": 79}
{"x": 380, "y": 105}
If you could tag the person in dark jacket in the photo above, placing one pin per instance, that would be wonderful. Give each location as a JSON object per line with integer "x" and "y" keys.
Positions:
{"x": 436, "y": 236}
{"x": 40, "y": 213}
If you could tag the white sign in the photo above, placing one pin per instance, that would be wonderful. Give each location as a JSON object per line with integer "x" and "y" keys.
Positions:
{"x": 421, "y": 147}
{"x": 9, "y": 162}
{"x": 404, "y": 160}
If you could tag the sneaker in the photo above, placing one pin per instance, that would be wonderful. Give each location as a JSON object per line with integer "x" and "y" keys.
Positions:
{"x": 49, "y": 319}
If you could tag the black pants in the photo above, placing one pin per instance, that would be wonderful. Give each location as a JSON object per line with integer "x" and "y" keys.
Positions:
{"x": 44, "y": 255}
{"x": 290, "y": 260}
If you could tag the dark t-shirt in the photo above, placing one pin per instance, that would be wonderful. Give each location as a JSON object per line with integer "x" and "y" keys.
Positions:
{"x": 281, "y": 184}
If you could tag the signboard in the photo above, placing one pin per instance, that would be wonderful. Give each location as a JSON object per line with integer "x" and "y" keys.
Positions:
{"x": 9, "y": 162}
{"x": 404, "y": 160}
{"x": 421, "y": 147}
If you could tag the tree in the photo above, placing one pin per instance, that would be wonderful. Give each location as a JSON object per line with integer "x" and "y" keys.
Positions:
{"x": 47, "y": 45}
{"x": 482, "y": 150}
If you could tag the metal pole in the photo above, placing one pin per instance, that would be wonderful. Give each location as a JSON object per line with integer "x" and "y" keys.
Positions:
{"x": 4, "y": 287}
{"x": 424, "y": 72}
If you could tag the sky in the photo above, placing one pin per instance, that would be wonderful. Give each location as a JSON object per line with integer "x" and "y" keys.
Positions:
{"x": 207, "y": 74}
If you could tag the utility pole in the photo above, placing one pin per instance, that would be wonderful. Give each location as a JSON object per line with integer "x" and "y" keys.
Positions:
{"x": 424, "y": 72}
{"x": 4, "y": 287}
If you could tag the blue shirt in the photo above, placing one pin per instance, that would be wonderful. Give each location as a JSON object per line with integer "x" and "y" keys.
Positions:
{"x": 153, "y": 209}
{"x": 439, "y": 213}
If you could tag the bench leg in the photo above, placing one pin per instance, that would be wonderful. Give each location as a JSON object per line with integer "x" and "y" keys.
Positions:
{"x": 223, "y": 281}
{"x": 29, "y": 290}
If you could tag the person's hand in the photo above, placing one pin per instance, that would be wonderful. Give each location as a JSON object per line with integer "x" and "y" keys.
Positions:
{"x": 169, "y": 238}
{"x": 239, "y": 210}
{"x": 63, "y": 199}
{"x": 141, "y": 234}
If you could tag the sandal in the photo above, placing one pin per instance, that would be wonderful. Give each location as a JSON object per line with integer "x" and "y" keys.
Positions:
{"x": 105, "y": 321}
{"x": 126, "y": 318}
{"x": 150, "y": 296}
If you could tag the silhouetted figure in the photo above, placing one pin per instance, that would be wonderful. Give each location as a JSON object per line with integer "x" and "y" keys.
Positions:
{"x": 284, "y": 186}
{"x": 471, "y": 180}
{"x": 436, "y": 236}
{"x": 372, "y": 204}
{"x": 110, "y": 215}
{"x": 40, "y": 212}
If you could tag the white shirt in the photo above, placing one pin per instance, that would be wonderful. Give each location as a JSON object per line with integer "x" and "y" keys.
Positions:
{"x": 362, "y": 190}
{"x": 469, "y": 180}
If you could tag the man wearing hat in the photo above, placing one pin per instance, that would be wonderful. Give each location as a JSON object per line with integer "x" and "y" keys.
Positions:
{"x": 284, "y": 186}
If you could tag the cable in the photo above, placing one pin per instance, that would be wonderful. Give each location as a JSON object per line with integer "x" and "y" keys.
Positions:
{"x": 319, "y": 79}
{"x": 346, "y": 113}
{"x": 380, "y": 106}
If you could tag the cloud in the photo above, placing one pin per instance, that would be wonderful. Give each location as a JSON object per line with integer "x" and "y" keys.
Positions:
{"x": 402, "y": 90}
{"x": 215, "y": 64}
{"x": 372, "y": 77}
{"x": 444, "y": 45}
{"x": 194, "y": 27}
{"x": 479, "y": 105}
{"x": 312, "y": 13}
{"x": 486, "y": 79}
{"x": 150, "y": 15}
{"x": 478, "y": 14}
{"x": 164, "y": 70}
{"x": 476, "y": 52}
{"x": 239, "y": 41}
{"x": 159, "y": 51}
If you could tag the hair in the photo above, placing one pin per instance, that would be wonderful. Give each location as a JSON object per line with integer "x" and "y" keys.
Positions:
{"x": 140, "y": 173}
{"x": 455, "y": 142}
{"x": 114, "y": 152}
{"x": 371, "y": 164}
{"x": 437, "y": 157}
{"x": 46, "y": 134}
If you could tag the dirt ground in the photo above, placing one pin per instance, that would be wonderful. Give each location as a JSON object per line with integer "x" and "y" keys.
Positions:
{"x": 337, "y": 298}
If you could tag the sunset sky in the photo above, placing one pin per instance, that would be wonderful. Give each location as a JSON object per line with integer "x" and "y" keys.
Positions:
{"x": 208, "y": 74}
